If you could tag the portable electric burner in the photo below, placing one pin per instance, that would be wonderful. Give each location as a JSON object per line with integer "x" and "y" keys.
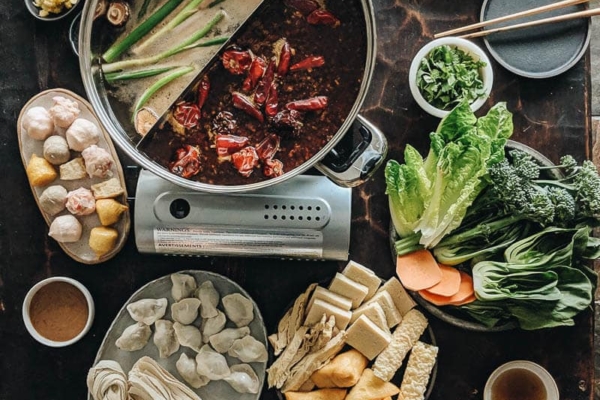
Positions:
{"x": 307, "y": 217}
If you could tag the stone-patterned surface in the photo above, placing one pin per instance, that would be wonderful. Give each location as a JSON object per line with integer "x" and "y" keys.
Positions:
{"x": 595, "y": 60}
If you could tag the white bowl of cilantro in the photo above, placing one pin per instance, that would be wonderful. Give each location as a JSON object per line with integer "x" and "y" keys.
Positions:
{"x": 448, "y": 71}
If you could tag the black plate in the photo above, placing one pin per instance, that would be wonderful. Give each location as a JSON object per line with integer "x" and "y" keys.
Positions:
{"x": 538, "y": 52}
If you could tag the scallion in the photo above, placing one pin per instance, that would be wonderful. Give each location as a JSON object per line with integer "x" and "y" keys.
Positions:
{"x": 129, "y": 75}
{"x": 122, "y": 45}
{"x": 179, "y": 72}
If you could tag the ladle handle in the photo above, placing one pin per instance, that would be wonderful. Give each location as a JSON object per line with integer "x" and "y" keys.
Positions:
{"x": 362, "y": 161}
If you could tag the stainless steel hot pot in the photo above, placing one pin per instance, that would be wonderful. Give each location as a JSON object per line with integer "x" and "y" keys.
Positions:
{"x": 364, "y": 159}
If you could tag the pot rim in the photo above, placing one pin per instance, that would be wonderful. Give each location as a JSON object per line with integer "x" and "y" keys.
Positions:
{"x": 89, "y": 68}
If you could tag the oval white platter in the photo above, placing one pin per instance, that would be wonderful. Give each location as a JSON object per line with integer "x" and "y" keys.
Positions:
{"x": 80, "y": 250}
{"x": 159, "y": 288}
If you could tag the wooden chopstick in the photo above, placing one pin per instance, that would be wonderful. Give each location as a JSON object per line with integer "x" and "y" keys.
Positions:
{"x": 526, "y": 13}
{"x": 558, "y": 18}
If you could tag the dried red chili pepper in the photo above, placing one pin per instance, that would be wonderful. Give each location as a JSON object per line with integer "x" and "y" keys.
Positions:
{"x": 224, "y": 124}
{"x": 245, "y": 160}
{"x": 229, "y": 144}
{"x": 272, "y": 102}
{"x": 309, "y": 63}
{"x": 187, "y": 162}
{"x": 203, "y": 90}
{"x": 187, "y": 114}
{"x": 267, "y": 148}
{"x": 322, "y": 17}
{"x": 304, "y": 6}
{"x": 312, "y": 104}
{"x": 283, "y": 55}
{"x": 272, "y": 168}
{"x": 257, "y": 70}
{"x": 264, "y": 85}
{"x": 288, "y": 119}
{"x": 236, "y": 61}
{"x": 245, "y": 104}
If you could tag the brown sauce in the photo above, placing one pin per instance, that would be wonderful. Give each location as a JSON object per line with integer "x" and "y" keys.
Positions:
{"x": 58, "y": 311}
{"x": 518, "y": 384}
{"x": 344, "y": 49}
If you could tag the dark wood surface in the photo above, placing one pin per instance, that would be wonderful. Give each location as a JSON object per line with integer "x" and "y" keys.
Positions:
{"x": 550, "y": 115}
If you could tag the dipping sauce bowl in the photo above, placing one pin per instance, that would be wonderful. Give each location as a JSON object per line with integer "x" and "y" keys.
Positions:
{"x": 58, "y": 311}
{"x": 520, "y": 380}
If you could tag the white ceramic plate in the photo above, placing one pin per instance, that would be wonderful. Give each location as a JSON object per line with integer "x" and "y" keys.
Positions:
{"x": 159, "y": 288}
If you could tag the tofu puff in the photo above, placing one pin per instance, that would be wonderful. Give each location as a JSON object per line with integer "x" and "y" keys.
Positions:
{"x": 109, "y": 211}
{"x": 343, "y": 371}
{"x": 321, "y": 394}
{"x": 103, "y": 240}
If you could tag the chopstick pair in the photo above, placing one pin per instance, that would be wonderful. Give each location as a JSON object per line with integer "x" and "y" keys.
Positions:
{"x": 526, "y": 13}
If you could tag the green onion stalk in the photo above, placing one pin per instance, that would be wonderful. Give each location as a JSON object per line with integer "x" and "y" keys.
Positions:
{"x": 179, "y": 72}
{"x": 129, "y": 75}
{"x": 184, "y": 14}
{"x": 185, "y": 45}
{"x": 122, "y": 45}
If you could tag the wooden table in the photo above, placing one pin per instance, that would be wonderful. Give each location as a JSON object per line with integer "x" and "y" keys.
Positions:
{"x": 551, "y": 115}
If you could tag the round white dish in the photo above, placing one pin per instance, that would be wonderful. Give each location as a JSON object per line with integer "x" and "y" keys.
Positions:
{"x": 487, "y": 74}
{"x": 160, "y": 288}
{"x": 27, "y": 304}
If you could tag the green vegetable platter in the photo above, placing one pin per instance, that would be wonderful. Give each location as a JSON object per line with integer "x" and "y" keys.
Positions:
{"x": 502, "y": 213}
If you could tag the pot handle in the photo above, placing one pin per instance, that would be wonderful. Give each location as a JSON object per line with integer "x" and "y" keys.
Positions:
{"x": 362, "y": 161}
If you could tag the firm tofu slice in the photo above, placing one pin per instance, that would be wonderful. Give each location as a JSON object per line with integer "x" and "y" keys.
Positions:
{"x": 404, "y": 303}
{"x": 346, "y": 287}
{"x": 367, "y": 338}
{"x": 392, "y": 315}
{"x": 374, "y": 312}
{"x": 330, "y": 297}
{"x": 319, "y": 307}
{"x": 364, "y": 276}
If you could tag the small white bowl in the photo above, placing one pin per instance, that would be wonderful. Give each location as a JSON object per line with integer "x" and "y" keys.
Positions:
{"x": 27, "y": 304}
{"x": 487, "y": 74}
{"x": 547, "y": 379}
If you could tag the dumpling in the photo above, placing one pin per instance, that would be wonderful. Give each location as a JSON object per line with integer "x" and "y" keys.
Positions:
{"x": 164, "y": 338}
{"x": 81, "y": 202}
{"x": 209, "y": 297}
{"x": 183, "y": 286}
{"x": 223, "y": 340}
{"x": 211, "y": 364}
{"x": 134, "y": 337}
{"x": 81, "y": 134}
{"x": 211, "y": 326}
{"x": 65, "y": 229}
{"x": 64, "y": 111}
{"x": 243, "y": 379}
{"x": 188, "y": 336}
{"x": 187, "y": 369}
{"x": 98, "y": 161}
{"x": 248, "y": 349}
{"x": 185, "y": 311}
{"x": 239, "y": 309}
{"x": 148, "y": 311}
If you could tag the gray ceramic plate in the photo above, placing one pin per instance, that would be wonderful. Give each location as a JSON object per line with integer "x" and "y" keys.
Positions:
{"x": 453, "y": 315}
{"x": 215, "y": 390}
{"x": 537, "y": 52}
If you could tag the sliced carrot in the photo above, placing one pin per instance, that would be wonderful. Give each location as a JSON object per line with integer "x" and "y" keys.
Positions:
{"x": 418, "y": 270}
{"x": 450, "y": 283}
{"x": 465, "y": 294}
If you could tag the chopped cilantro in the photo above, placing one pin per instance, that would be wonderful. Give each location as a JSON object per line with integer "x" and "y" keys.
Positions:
{"x": 448, "y": 76}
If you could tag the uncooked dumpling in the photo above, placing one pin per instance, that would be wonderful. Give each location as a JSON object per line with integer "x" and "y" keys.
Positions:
{"x": 187, "y": 369}
{"x": 183, "y": 286}
{"x": 223, "y": 340}
{"x": 211, "y": 326}
{"x": 239, "y": 309}
{"x": 243, "y": 379}
{"x": 248, "y": 349}
{"x": 148, "y": 311}
{"x": 209, "y": 297}
{"x": 211, "y": 364}
{"x": 188, "y": 336}
{"x": 165, "y": 338}
{"x": 134, "y": 337}
{"x": 82, "y": 133}
{"x": 38, "y": 123}
{"x": 185, "y": 311}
